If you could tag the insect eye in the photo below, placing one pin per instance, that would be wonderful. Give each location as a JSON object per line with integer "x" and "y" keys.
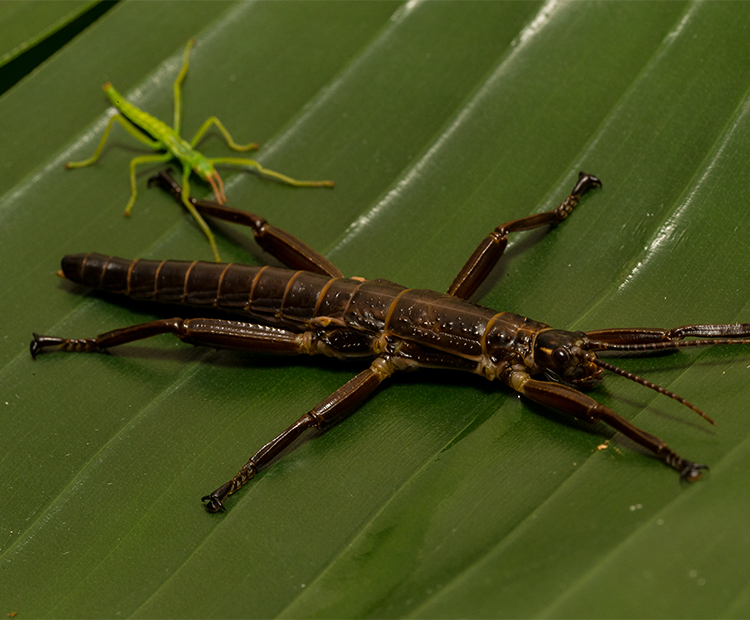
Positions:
{"x": 561, "y": 356}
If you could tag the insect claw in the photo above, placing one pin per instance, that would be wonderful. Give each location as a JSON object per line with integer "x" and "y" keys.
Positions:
{"x": 213, "y": 504}
{"x": 691, "y": 471}
{"x": 213, "y": 501}
{"x": 34, "y": 346}
{"x": 585, "y": 183}
{"x": 39, "y": 342}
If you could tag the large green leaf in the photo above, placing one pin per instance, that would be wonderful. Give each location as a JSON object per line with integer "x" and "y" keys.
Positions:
{"x": 444, "y": 495}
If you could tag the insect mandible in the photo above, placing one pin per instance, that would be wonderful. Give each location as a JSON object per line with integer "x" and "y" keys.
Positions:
{"x": 312, "y": 309}
{"x": 159, "y": 136}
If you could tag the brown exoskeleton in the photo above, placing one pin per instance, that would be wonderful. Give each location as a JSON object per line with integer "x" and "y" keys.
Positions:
{"x": 317, "y": 311}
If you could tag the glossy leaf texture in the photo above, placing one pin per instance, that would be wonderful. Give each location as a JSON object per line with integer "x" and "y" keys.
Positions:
{"x": 25, "y": 24}
{"x": 444, "y": 495}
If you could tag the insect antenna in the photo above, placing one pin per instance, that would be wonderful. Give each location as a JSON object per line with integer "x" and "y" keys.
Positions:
{"x": 218, "y": 189}
{"x": 653, "y": 386}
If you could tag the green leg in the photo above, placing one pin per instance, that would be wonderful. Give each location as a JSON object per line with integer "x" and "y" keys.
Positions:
{"x": 143, "y": 159}
{"x": 232, "y": 144}
{"x": 178, "y": 85}
{"x": 130, "y": 128}
{"x": 186, "y": 170}
{"x": 250, "y": 163}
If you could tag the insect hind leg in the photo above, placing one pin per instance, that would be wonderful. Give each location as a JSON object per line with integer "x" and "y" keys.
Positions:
{"x": 327, "y": 413}
{"x": 217, "y": 333}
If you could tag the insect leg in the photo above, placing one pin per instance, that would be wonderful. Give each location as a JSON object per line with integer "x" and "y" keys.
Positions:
{"x": 232, "y": 144}
{"x": 177, "y": 87}
{"x": 284, "y": 246}
{"x": 136, "y": 161}
{"x": 582, "y": 407}
{"x": 217, "y": 333}
{"x": 185, "y": 195}
{"x": 213, "y": 120}
{"x": 332, "y": 410}
{"x": 489, "y": 251}
{"x": 130, "y": 128}
{"x": 632, "y": 337}
{"x": 251, "y": 163}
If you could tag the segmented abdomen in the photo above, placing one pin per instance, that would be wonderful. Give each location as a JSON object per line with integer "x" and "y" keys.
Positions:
{"x": 273, "y": 295}
{"x": 294, "y": 298}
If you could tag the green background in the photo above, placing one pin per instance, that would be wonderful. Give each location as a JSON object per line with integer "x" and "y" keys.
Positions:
{"x": 444, "y": 495}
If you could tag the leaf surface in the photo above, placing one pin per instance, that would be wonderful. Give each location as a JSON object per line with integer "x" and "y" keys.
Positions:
{"x": 444, "y": 495}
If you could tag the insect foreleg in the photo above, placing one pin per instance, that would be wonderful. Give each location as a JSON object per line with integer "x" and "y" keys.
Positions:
{"x": 582, "y": 407}
{"x": 277, "y": 242}
{"x": 489, "y": 251}
{"x": 332, "y": 410}
{"x": 633, "y": 337}
{"x": 232, "y": 144}
{"x": 130, "y": 128}
{"x": 251, "y": 163}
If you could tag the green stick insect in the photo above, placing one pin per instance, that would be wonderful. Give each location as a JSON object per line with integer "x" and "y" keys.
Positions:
{"x": 160, "y": 137}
